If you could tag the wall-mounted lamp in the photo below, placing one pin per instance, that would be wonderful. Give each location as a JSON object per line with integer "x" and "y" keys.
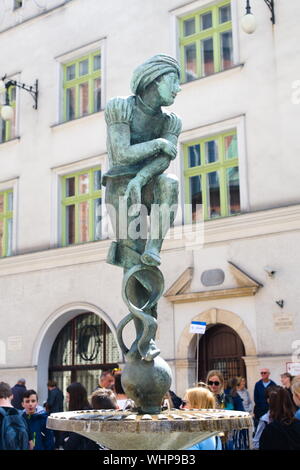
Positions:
{"x": 6, "y": 110}
{"x": 270, "y": 271}
{"x": 249, "y": 21}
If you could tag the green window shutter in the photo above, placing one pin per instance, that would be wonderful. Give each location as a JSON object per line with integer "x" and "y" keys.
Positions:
{"x": 81, "y": 206}
{"x": 82, "y": 86}
{"x": 205, "y": 41}
{"x": 6, "y": 222}
{"x": 211, "y": 176}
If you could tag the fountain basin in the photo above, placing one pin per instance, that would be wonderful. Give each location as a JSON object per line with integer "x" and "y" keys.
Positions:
{"x": 170, "y": 430}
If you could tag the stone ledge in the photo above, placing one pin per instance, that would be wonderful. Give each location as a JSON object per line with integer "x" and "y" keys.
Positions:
{"x": 73, "y": 122}
{"x": 255, "y": 224}
{"x": 54, "y": 258}
{"x": 213, "y": 295}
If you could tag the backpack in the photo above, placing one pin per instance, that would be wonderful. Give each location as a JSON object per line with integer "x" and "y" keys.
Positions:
{"x": 13, "y": 433}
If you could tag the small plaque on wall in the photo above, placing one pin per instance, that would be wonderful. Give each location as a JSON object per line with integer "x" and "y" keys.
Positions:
{"x": 283, "y": 321}
{"x": 293, "y": 368}
{"x": 212, "y": 277}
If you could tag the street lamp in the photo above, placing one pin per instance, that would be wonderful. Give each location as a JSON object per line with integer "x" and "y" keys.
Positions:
{"x": 248, "y": 22}
{"x": 7, "y": 110}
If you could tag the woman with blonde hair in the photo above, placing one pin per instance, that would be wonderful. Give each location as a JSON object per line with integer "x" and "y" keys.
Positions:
{"x": 198, "y": 398}
{"x": 202, "y": 398}
{"x": 228, "y": 400}
{"x": 215, "y": 382}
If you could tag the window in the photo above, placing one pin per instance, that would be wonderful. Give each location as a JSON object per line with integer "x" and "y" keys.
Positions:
{"x": 211, "y": 171}
{"x": 82, "y": 348}
{"x": 206, "y": 44}
{"x": 82, "y": 86}
{"x": 8, "y": 128}
{"x": 6, "y": 222}
{"x": 81, "y": 206}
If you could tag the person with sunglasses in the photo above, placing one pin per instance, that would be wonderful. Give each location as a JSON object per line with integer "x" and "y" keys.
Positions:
{"x": 215, "y": 382}
{"x": 261, "y": 405}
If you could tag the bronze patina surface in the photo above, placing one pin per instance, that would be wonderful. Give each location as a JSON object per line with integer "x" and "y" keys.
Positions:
{"x": 141, "y": 142}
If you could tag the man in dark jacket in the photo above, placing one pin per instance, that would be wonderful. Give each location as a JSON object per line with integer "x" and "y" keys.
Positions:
{"x": 261, "y": 405}
{"x": 55, "y": 404}
{"x": 18, "y": 391}
{"x": 55, "y": 400}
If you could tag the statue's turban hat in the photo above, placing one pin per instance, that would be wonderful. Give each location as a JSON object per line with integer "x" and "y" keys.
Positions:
{"x": 147, "y": 72}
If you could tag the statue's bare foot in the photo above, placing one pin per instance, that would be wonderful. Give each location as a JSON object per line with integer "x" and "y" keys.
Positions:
{"x": 134, "y": 192}
{"x": 151, "y": 258}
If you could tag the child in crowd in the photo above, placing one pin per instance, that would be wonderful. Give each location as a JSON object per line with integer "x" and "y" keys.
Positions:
{"x": 202, "y": 398}
{"x": 36, "y": 418}
{"x": 103, "y": 399}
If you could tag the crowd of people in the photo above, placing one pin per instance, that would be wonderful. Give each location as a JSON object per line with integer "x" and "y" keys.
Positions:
{"x": 275, "y": 411}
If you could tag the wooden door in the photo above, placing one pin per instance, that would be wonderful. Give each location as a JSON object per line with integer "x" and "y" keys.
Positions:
{"x": 221, "y": 348}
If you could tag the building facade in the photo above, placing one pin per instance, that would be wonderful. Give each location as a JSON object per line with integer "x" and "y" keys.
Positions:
{"x": 237, "y": 157}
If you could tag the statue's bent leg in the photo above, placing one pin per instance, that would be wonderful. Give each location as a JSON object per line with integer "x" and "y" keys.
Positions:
{"x": 130, "y": 243}
{"x": 165, "y": 199}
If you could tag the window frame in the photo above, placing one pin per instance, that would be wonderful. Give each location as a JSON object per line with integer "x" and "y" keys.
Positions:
{"x": 206, "y": 133}
{"x": 12, "y": 185}
{"x": 219, "y": 166}
{"x": 191, "y": 9}
{"x": 89, "y": 78}
{"x": 9, "y": 187}
{"x": 214, "y": 32}
{"x": 5, "y": 216}
{"x": 84, "y": 364}
{"x": 73, "y": 55}
{"x": 75, "y": 369}
{"x": 66, "y": 201}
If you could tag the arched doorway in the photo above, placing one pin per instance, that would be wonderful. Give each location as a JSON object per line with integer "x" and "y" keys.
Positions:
{"x": 222, "y": 349}
{"x": 83, "y": 347}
